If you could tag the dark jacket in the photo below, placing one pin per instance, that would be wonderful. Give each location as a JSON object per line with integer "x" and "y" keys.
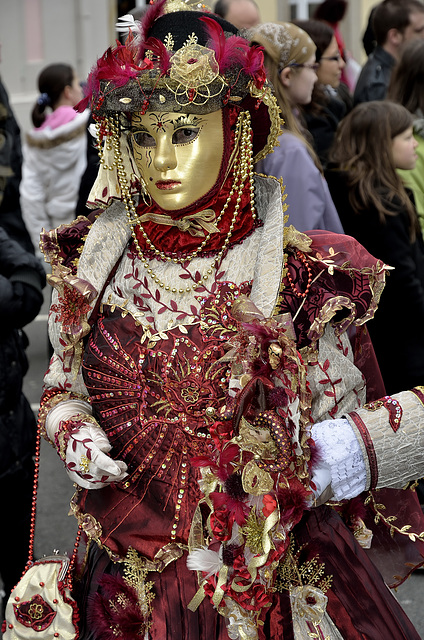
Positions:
{"x": 10, "y": 174}
{"x": 374, "y": 78}
{"x": 322, "y": 124}
{"x": 21, "y": 281}
{"x": 397, "y": 331}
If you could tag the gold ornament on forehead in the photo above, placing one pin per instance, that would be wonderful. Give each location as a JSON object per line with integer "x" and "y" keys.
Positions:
{"x": 185, "y": 5}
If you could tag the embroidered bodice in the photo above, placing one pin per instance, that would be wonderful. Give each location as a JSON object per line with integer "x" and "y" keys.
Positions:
{"x": 153, "y": 367}
{"x": 155, "y": 400}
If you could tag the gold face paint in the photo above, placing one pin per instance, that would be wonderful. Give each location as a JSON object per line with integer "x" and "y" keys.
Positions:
{"x": 178, "y": 154}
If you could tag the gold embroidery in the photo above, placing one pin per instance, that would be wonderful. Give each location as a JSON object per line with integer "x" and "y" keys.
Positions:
{"x": 169, "y": 42}
{"x": 191, "y": 40}
{"x": 190, "y": 394}
{"x": 135, "y": 573}
{"x": 84, "y": 464}
{"x": 378, "y": 507}
{"x": 311, "y": 572}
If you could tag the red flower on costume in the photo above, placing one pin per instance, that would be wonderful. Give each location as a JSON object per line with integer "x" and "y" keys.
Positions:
{"x": 71, "y": 308}
{"x": 237, "y": 508}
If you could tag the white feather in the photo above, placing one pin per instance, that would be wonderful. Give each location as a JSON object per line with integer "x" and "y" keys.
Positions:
{"x": 127, "y": 24}
{"x": 205, "y": 560}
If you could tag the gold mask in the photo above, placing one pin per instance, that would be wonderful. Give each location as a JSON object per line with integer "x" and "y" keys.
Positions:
{"x": 179, "y": 155}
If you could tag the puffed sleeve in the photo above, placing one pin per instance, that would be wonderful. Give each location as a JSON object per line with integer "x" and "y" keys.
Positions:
{"x": 391, "y": 436}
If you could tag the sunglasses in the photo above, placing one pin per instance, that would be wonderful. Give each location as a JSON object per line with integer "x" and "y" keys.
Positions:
{"x": 313, "y": 66}
{"x": 335, "y": 58}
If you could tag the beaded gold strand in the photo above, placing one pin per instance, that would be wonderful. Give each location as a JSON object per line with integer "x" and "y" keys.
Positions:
{"x": 243, "y": 171}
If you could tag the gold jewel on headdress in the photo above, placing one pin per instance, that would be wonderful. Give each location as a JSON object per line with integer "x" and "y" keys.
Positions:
{"x": 243, "y": 176}
{"x": 194, "y": 68}
{"x": 185, "y": 5}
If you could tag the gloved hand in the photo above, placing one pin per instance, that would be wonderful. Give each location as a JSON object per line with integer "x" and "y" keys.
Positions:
{"x": 86, "y": 459}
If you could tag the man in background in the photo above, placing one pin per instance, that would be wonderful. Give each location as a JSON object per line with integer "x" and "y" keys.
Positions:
{"x": 394, "y": 22}
{"x": 243, "y": 14}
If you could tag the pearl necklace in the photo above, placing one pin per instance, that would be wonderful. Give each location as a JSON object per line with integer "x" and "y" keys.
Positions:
{"x": 243, "y": 172}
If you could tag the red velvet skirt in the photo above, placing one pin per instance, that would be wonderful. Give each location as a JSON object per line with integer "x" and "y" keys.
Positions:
{"x": 359, "y": 602}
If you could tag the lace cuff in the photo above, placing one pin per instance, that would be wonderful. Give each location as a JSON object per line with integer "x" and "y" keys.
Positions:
{"x": 339, "y": 449}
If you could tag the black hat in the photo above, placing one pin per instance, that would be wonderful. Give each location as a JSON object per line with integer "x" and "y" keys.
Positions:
{"x": 188, "y": 61}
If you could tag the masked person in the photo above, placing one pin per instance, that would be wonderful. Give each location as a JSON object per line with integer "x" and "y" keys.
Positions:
{"x": 196, "y": 341}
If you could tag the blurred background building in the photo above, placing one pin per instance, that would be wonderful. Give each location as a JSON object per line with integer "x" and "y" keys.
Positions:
{"x": 34, "y": 33}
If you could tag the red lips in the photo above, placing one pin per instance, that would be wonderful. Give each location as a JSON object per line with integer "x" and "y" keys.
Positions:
{"x": 166, "y": 184}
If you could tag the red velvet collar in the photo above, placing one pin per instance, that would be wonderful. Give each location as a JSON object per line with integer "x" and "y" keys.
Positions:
{"x": 176, "y": 243}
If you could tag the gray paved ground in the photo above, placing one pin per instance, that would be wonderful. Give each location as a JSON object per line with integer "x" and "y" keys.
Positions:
{"x": 56, "y": 530}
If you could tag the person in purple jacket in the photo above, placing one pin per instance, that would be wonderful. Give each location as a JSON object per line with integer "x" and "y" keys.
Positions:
{"x": 291, "y": 68}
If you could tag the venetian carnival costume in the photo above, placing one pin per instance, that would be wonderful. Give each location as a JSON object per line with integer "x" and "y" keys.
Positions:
{"x": 196, "y": 341}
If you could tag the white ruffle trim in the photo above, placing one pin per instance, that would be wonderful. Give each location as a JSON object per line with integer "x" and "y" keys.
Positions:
{"x": 340, "y": 451}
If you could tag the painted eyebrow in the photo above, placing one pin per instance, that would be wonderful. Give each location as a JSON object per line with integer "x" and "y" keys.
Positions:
{"x": 186, "y": 120}
{"x": 138, "y": 127}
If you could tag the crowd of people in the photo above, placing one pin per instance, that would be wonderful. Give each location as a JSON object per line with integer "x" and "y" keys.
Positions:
{"x": 236, "y": 381}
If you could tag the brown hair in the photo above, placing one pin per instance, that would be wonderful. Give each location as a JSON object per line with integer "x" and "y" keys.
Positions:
{"x": 332, "y": 11}
{"x": 393, "y": 14}
{"x": 407, "y": 81}
{"x": 320, "y": 32}
{"x": 363, "y": 149}
{"x": 51, "y": 84}
{"x": 290, "y": 121}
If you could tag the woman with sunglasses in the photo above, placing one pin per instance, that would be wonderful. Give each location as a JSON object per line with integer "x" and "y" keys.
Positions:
{"x": 289, "y": 56}
{"x": 330, "y": 99}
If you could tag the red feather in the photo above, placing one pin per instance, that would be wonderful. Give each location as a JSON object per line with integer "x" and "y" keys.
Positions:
{"x": 229, "y": 454}
{"x": 107, "y": 613}
{"x": 82, "y": 104}
{"x": 353, "y": 509}
{"x": 155, "y": 12}
{"x": 228, "y": 51}
{"x": 159, "y": 50}
{"x": 254, "y": 65}
{"x": 293, "y": 502}
{"x": 236, "y": 507}
{"x": 114, "y": 66}
{"x": 117, "y": 65}
{"x": 204, "y": 461}
{"x": 109, "y": 68}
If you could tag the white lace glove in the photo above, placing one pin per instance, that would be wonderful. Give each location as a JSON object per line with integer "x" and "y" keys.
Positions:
{"x": 87, "y": 462}
{"x": 83, "y": 445}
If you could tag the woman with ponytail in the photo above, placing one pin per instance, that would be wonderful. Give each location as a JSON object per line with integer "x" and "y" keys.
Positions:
{"x": 54, "y": 153}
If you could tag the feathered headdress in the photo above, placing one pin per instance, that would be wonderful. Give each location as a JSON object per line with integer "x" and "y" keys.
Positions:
{"x": 189, "y": 61}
